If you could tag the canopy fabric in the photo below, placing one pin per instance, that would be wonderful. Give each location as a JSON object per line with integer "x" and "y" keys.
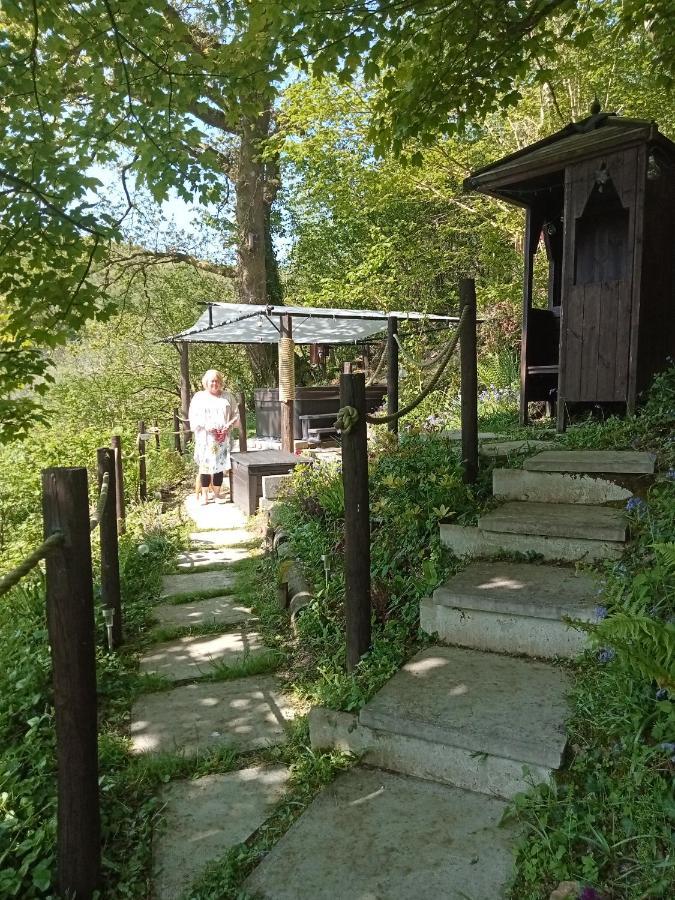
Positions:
{"x": 243, "y": 323}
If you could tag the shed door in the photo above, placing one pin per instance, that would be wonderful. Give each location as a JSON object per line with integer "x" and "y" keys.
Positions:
{"x": 597, "y": 278}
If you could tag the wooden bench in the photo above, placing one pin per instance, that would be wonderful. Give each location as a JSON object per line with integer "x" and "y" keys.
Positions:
{"x": 309, "y": 432}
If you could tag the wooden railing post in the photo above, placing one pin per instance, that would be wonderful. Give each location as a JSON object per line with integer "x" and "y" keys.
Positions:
{"x": 142, "y": 470}
{"x": 392, "y": 372}
{"x": 116, "y": 444}
{"x": 243, "y": 440}
{"x": 184, "y": 350}
{"x": 110, "y": 564}
{"x": 357, "y": 520}
{"x": 176, "y": 432}
{"x": 155, "y": 425}
{"x": 70, "y": 623}
{"x": 469, "y": 380}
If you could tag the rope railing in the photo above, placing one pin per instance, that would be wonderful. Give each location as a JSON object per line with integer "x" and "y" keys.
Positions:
{"x": 95, "y": 520}
{"x": 378, "y": 367}
{"x": 11, "y": 579}
{"x": 348, "y": 416}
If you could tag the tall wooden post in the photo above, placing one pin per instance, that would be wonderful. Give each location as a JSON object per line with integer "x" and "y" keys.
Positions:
{"x": 110, "y": 564}
{"x": 243, "y": 439}
{"x": 176, "y": 432}
{"x": 142, "y": 470}
{"x": 287, "y": 402}
{"x": 392, "y": 372}
{"x": 469, "y": 380}
{"x": 184, "y": 349}
{"x": 116, "y": 444}
{"x": 70, "y": 623}
{"x": 155, "y": 425}
{"x": 357, "y": 520}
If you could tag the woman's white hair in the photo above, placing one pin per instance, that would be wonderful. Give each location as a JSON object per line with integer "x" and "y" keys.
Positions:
{"x": 212, "y": 373}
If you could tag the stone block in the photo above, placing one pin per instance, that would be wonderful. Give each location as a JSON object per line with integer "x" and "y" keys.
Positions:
{"x": 555, "y": 487}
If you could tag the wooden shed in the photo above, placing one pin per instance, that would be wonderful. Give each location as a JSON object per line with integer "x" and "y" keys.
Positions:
{"x": 600, "y": 197}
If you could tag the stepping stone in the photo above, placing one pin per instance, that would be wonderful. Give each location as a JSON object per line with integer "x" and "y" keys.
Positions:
{"x": 195, "y": 559}
{"x": 509, "y": 607}
{"x": 623, "y": 462}
{"x": 192, "y": 657}
{"x": 214, "y": 516}
{"x": 205, "y": 817}
{"x": 502, "y": 449}
{"x": 372, "y": 834}
{"x": 246, "y": 713}
{"x": 178, "y": 585}
{"x": 223, "y": 538}
{"x": 480, "y": 721}
{"x": 224, "y": 610}
{"x": 456, "y": 435}
{"x": 555, "y": 487}
{"x": 568, "y": 520}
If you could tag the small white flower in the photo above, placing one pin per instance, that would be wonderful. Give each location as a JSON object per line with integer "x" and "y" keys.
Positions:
{"x": 142, "y": 549}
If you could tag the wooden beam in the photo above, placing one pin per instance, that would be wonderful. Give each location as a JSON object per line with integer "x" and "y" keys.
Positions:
{"x": 392, "y": 372}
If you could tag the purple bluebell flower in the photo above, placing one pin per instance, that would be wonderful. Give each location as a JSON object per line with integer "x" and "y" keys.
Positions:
{"x": 668, "y": 746}
{"x": 605, "y": 655}
{"x": 662, "y": 694}
{"x": 636, "y": 505}
{"x": 600, "y": 613}
{"x": 589, "y": 893}
{"x": 670, "y": 474}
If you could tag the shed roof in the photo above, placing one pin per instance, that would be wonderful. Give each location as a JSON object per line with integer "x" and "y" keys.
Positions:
{"x": 243, "y": 323}
{"x": 597, "y": 134}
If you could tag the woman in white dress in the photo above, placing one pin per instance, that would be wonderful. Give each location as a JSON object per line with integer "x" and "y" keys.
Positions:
{"x": 212, "y": 416}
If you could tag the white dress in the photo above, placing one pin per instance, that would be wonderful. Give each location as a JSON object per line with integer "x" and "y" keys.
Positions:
{"x": 208, "y": 414}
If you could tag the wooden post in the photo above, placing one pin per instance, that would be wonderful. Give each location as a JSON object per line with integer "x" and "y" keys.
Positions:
{"x": 357, "y": 521}
{"x": 110, "y": 564}
{"x": 142, "y": 471}
{"x": 392, "y": 372}
{"x": 70, "y": 624}
{"x": 116, "y": 443}
{"x": 155, "y": 425}
{"x": 243, "y": 439}
{"x": 469, "y": 381}
{"x": 185, "y": 397}
{"x": 176, "y": 432}
{"x": 287, "y": 424}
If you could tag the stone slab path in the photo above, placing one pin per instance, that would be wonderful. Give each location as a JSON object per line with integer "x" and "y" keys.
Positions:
{"x": 373, "y": 834}
{"x": 205, "y": 817}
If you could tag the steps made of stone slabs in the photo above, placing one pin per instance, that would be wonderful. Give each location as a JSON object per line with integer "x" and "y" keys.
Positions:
{"x": 196, "y": 656}
{"x": 373, "y": 834}
{"x": 205, "y": 817}
{"x": 556, "y": 487}
{"x": 216, "y": 610}
{"x": 197, "y": 559}
{"x": 508, "y": 607}
{"x": 195, "y": 583}
{"x": 503, "y": 449}
{"x": 559, "y": 520}
{"x": 214, "y": 516}
{"x": 478, "y": 721}
{"x": 621, "y": 462}
{"x": 245, "y": 713}
{"x": 202, "y": 540}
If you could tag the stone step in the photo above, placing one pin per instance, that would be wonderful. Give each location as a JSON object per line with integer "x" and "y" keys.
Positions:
{"x": 377, "y": 835}
{"x": 622, "y": 462}
{"x": 479, "y": 721}
{"x": 214, "y": 516}
{"x": 467, "y": 541}
{"x": 556, "y": 487}
{"x": 561, "y": 520}
{"x": 229, "y": 537}
{"x": 198, "y": 559}
{"x": 194, "y": 831}
{"x": 504, "y": 449}
{"x": 221, "y": 610}
{"x": 194, "y": 657}
{"x": 509, "y": 607}
{"x": 246, "y": 713}
{"x": 195, "y": 583}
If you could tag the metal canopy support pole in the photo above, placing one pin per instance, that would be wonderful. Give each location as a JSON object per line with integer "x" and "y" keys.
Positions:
{"x": 392, "y": 372}
{"x": 185, "y": 398}
{"x": 286, "y": 383}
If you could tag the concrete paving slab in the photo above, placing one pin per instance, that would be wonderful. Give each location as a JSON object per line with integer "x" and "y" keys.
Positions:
{"x": 623, "y": 462}
{"x": 272, "y": 484}
{"x": 205, "y": 817}
{"x": 194, "y": 583}
{"x": 455, "y": 434}
{"x": 569, "y": 520}
{"x": 467, "y": 541}
{"x": 502, "y": 449}
{"x": 247, "y": 713}
{"x": 192, "y": 657}
{"x": 373, "y": 835}
{"x": 524, "y": 589}
{"x": 231, "y": 537}
{"x": 197, "y": 559}
{"x": 555, "y": 487}
{"x": 214, "y": 516}
{"x": 224, "y": 610}
{"x": 482, "y": 702}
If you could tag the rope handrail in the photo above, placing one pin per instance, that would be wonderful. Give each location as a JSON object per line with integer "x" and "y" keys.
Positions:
{"x": 378, "y": 367}
{"x": 11, "y": 579}
{"x": 95, "y": 520}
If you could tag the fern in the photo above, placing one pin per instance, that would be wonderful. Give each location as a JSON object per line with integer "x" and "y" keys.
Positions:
{"x": 499, "y": 369}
